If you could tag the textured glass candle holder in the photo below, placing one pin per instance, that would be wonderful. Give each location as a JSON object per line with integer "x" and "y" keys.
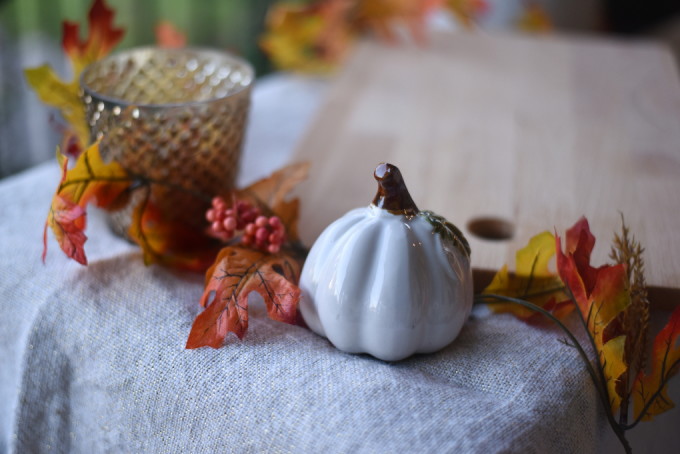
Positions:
{"x": 172, "y": 116}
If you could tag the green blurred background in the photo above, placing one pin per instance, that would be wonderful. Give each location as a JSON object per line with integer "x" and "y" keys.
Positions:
{"x": 231, "y": 24}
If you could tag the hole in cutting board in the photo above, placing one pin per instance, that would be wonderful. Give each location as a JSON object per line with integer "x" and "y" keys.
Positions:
{"x": 491, "y": 228}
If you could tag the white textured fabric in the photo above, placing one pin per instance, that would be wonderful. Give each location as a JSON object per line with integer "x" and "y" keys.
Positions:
{"x": 92, "y": 359}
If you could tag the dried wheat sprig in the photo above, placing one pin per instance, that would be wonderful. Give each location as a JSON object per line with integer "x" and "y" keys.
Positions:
{"x": 635, "y": 319}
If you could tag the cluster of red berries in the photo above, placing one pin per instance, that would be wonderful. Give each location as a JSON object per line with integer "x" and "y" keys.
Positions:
{"x": 267, "y": 234}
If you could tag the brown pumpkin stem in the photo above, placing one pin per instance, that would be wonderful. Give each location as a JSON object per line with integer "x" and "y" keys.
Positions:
{"x": 392, "y": 193}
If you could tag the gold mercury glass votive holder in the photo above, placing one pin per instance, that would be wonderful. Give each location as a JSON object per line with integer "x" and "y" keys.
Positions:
{"x": 175, "y": 117}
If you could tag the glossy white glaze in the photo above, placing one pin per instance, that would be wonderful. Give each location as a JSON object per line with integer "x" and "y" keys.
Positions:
{"x": 384, "y": 284}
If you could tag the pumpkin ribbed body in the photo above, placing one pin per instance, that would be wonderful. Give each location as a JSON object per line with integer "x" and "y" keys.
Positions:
{"x": 385, "y": 284}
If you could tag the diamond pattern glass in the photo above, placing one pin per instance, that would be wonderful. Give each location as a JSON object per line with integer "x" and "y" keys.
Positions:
{"x": 172, "y": 116}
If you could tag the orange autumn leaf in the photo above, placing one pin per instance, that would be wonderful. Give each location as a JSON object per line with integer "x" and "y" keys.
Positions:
{"x": 600, "y": 294}
{"x": 270, "y": 194}
{"x": 313, "y": 38}
{"x": 168, "y": 37}
{"x": 236, "y": 273}
{"x": 102, "y": 37}
{"x": 63, "y": 95}
{"x": 532, "y": 281}
{"x": 650, "y": 391}
{"x": 89, "y": 179}
{"x": 535, "y": 19}
{"x": 169, "y": 243}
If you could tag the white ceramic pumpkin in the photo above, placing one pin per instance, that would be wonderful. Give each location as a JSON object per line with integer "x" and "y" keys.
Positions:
{"x": 387, "y": 279}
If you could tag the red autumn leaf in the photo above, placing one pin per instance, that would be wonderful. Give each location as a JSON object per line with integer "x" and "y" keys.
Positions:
{"x": 168, "y": 37}
{"x": 650, "y": 391}
{"x": 236, "y": 273}
{"x": 67, "y": 220}
{"x": 89, "y": 179}
{"x": 169, "y": 243}
{"x": 601, "y": 295}
{"x": 102, "y": 36}
{"x": 579, "y": 246}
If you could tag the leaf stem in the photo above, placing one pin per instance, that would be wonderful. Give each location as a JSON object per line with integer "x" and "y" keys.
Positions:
{"x": 602, "y": 391}
{"x": 547, "y": 291}
{"x": 142, "y": 180}
{"x": 143, "y": 240}
{"x": 591, "y": 340}
{"x": 656, "y": 394}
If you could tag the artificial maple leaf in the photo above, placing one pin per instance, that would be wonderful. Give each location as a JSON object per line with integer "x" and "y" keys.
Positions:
{"x": 467, "y": 11}
{"x": 172, "y": 244}
{"x": 90, "y": 178}
{"x": 312, "y": 38}
{"x": 535, "y": 19}
{"x": 532, "y": 281}
{"x": 650, "y": 391}
{"x": 67, "y": 220}
{"x": 63, "y": 95}
{"x": 236, "y": 273}
{"x": 382, "y": 15}
{"x": 102, "y": 37}
{"x": 600, "y": 294}
{"x": 168, "y": 37}
{"x": 270, "y": 193}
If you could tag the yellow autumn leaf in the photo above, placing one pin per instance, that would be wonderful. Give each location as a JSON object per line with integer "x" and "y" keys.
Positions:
{"x": 313, "y": 38}
{"x": 535, "y": 19}
{"x": 64, "y": 96}
{"x": 609, "y": 298}
{"x": 650, "y": 391}
{"x": 91, "y": 177}
{"x": 466, "y": 11}
{"x": 532, "y": 281}
{"x": 613, "y": 366}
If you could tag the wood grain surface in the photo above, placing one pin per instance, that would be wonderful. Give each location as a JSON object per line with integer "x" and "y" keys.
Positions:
{"x": 535, "y": 131}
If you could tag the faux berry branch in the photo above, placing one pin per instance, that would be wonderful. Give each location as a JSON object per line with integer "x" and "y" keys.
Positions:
{"x": 262, "y": 254}
{"x": 244, "y": 222}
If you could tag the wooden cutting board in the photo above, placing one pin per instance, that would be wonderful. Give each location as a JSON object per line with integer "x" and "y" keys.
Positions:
{"x": 536, "y": 132}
